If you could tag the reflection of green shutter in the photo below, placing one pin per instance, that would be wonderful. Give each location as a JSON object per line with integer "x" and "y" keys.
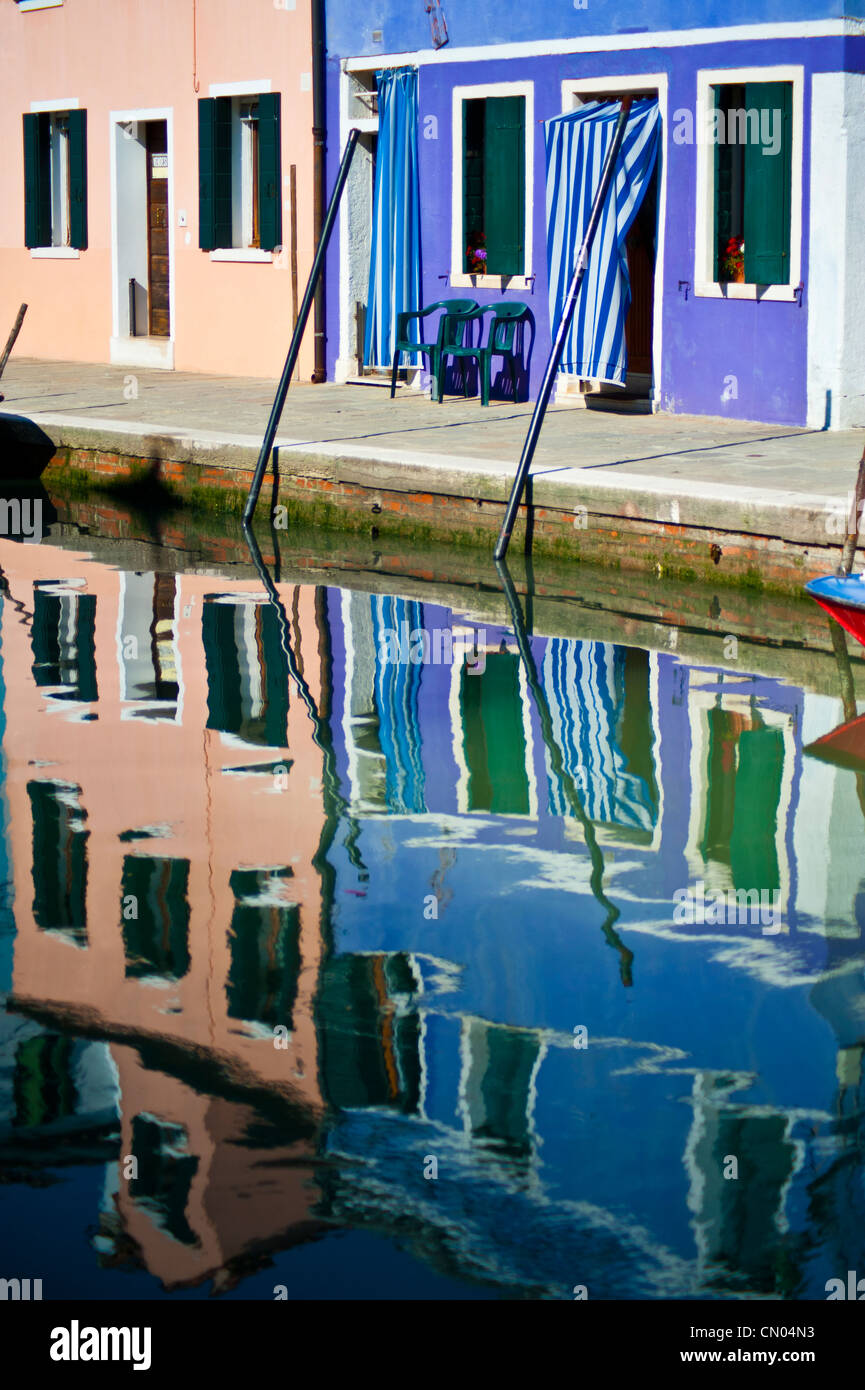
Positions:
{"x": 500, "y": 1097}
{"x": 156, "y": 941}
{"x": 368, "y": 1056}
{"x": 768, "y": 187}
{"x": 43, "y": 1089}
{"x": 78, "y": 179}
{"x": 264, "y": 941}
{"x": 504, "y": 184}
{"x": 85, "y": 642}
{"x": 269, "y": 172}
{"x": 495, "y": 745}
{"x": 214, "y": 172}
{"x": 37, "y": 180}
{"x": 753, "y": 852}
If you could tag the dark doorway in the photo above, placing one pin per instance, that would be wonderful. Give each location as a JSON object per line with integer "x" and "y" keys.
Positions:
{"x": 157, "y": 229}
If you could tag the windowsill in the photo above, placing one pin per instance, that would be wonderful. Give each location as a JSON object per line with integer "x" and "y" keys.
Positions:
{"x": 25, "y": 5}
{"x": 242, "y": 253}
{"x": 54, "y": 253}
{"x": 459, "y": 280}
{"x": 733, "y": 290}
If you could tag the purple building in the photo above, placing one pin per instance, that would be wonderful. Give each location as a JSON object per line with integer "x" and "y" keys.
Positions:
{"x": 732, "y": 274}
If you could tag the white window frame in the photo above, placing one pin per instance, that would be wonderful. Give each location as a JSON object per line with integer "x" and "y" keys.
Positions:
{"x": 460, "y": 279}
{"x": 241, "y": 174}
{"x": 58, "y": 250}
{"x": 25, "y": 5}
{"x": 705, "y": 284}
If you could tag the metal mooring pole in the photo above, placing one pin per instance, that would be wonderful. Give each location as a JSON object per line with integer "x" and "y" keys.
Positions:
{"x": 854, "y": 522}
{"x": 297, "y": 335}
{"x": 555, "y": 357}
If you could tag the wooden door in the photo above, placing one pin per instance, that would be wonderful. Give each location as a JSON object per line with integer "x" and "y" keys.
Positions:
{"x": 159, "y": 325}
{"x": 640, "y": 248}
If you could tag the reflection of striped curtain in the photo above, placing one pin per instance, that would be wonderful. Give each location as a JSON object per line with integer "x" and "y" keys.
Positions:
{"x": 577, "y": 145}
{"x": 580, "y": 683}
{"x": 394, "y": 269}
{"x": 397, "y": 685}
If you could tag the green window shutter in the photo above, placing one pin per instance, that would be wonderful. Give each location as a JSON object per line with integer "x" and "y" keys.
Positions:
{"x": 269, "y": 172}
{"x": 214, "y": 172}
{"x": 505, "y": 184}
{"x": 37, "y": 180}
{"x": 768, "y": 181}
{"x": 78, "y": 179}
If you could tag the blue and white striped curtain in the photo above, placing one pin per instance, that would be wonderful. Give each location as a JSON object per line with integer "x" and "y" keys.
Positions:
{"x": 394, "y": 266}
{"x": 577, "y": 145}
{"x": 397, "y": 688}
{"x": 580, "y": 682}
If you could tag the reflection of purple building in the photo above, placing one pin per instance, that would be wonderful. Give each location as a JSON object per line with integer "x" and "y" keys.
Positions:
{"x": 695, "y": 771}
{"x": 463, "y": 868}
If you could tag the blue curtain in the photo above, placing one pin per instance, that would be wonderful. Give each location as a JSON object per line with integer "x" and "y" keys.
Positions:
{"x": 577, "y": 145}
{"x": 394, "y": 266}
{"x": 585, "y": 698}
{"x": 397, "y": 688}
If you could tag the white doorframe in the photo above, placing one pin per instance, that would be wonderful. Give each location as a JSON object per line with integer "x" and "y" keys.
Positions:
{"x": 574, "y": 90}
{"x": 141, "y": 351}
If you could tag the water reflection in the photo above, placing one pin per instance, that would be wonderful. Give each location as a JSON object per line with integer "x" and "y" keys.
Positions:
{"x": 306, "y": 930}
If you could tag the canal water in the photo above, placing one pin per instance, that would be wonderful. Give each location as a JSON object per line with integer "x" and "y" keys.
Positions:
{"x": 351, "y": 948}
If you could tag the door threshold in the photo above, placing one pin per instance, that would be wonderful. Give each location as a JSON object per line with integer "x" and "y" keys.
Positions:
{"x": 143, "y": 352}
{"x": 374, "y": 381}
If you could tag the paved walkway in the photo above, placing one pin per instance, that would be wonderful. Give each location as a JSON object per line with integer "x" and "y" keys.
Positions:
{"x": 753, "y": 478}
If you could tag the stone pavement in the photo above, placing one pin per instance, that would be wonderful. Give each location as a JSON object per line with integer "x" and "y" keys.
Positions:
{"x": 705, "y": 473}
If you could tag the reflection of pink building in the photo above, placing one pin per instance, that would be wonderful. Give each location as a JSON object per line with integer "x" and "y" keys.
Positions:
{"x": 150, "y": 213}
{"x": 165, "y": 895}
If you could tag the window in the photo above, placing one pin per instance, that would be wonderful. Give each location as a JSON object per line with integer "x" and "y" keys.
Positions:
{"x": 247, "y": 675}
{"x": 59, "y": 859}
{"x": 147, "y": 646}
{"x": 752, "y": 178}
{"x": 156, "y": 920}
{"x": 749, "y": 134}
{"x": 165, "y": 1172}
{"x": 239, "y": 172}
{"x": 494, "y": 186}
{"x": 63, "y": 642}
{"x": 55, "y": 179}
{"x": 264, "y": 939}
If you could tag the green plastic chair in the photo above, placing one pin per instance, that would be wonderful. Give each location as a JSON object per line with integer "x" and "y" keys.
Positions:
{"x": 456, "y": 325}
{"x": 430, "y": 350}
{"x": 501, "y": 337}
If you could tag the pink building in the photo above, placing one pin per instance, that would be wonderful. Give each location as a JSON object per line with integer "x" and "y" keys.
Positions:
{"x": 157, "y": 184}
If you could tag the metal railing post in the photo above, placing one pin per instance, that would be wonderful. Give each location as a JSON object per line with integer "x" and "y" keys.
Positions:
{"x": 555, "y": 357}
{"x": 297, "y": 335}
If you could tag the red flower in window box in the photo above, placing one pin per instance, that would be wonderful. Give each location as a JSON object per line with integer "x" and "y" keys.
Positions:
{"x": 733, "y": 260}
{"x": 476, "y": 255}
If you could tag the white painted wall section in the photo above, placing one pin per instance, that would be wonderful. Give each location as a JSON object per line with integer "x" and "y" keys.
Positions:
{"x": 836, "y": 265}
